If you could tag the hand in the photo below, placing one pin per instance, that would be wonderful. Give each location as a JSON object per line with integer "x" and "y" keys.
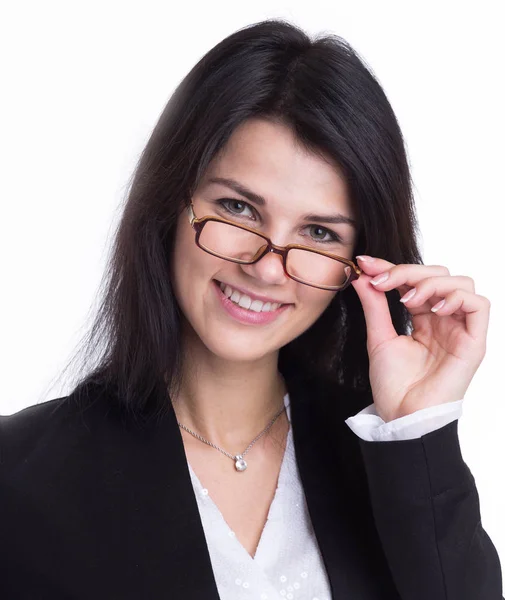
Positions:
{"x": 436, "y": 363}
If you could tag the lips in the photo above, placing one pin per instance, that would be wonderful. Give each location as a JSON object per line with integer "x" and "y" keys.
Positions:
{"x": 244, "y": 315}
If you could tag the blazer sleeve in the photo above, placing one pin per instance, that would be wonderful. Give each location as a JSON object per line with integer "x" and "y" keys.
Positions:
{"x": 427, "y": 513}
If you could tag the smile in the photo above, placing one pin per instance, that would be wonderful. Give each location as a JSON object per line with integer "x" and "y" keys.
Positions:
{"x": 241, "y": 307}
{"x": 246, "y": 302}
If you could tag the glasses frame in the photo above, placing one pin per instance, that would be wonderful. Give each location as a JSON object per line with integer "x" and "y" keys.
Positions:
{"x": 199, "y": 223}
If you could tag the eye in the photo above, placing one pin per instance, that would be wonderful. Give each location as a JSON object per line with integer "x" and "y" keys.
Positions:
{"x": 323, "y": 235}
{"x": 235, "y": 207}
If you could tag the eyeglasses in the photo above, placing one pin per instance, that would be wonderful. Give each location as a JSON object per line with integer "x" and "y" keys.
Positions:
{"x": 244, "y": 245}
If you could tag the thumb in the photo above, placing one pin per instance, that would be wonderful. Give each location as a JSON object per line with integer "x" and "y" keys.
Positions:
{"x": 378, "y": 320}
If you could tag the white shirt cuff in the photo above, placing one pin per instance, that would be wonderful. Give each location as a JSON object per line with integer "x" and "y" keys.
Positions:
{"x": 370, "y": 427}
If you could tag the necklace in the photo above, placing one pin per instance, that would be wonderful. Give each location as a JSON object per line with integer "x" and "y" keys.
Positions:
{"x": 240, "y": 463}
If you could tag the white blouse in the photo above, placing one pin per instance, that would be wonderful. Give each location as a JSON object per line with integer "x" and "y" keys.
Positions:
{"x": 287, "y": 564}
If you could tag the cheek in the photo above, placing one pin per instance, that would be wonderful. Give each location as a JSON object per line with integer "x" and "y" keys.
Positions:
{"x": 316, "y": 301}
{"x": 311, "y": 305}
{"x": 191, "y": 269}
{"x": 184, "y": 262}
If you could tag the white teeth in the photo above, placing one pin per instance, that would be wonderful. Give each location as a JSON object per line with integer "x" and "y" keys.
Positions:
{"x": 257, "y": 305}
{"x": 245, "y": 302}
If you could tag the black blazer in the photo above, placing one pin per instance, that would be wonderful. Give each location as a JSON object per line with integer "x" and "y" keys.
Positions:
{"x": 95, "y": 507}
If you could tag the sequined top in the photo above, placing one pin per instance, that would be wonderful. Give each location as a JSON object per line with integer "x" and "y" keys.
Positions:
{"x": 287, "y": 563}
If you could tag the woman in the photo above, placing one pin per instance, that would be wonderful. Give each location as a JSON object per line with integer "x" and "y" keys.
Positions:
{"x": 262, "y": 421}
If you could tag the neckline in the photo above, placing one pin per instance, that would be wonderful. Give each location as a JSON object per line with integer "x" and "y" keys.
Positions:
{"x": 273, "y": 505}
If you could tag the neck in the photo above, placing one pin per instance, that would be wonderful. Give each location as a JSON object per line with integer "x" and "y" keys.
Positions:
{"x": 229, "y": 403}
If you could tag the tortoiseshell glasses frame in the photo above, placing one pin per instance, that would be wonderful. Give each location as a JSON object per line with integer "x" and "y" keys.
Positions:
{"x": 199, "y": 223}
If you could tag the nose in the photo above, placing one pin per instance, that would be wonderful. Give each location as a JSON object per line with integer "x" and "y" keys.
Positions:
{"x": 269, "y": 269}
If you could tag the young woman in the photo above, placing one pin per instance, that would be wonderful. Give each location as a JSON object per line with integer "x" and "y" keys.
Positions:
{"x": 266, "y": 417}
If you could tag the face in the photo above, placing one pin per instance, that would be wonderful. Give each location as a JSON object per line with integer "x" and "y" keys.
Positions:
{"x": 265, "y": 159}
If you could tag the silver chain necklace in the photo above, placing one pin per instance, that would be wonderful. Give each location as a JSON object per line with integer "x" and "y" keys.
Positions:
{"x": 240, "y": 463}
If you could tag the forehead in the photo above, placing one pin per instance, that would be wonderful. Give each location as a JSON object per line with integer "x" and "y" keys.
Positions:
{"x": 267, "y": 158}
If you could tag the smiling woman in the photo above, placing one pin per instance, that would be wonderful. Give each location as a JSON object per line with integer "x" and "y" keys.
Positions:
{"x": 221, "y": 439}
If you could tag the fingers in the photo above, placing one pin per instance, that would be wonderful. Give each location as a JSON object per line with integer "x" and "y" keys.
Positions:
{"x": 422, "y": 286}
{"x": 476, "y": 309}
{"x": 428, "y": 280}
{"x": 426, "y": 288}
{"x": 375, "y": 266}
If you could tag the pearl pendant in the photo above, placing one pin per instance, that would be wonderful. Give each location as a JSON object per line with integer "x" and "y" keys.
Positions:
{"x": 240, "y": 463}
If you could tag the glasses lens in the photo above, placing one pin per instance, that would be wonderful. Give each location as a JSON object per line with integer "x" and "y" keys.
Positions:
{"x": 231, "y": 242}
{"x": 317, "y": 269}
{"x": 237, "y": 244}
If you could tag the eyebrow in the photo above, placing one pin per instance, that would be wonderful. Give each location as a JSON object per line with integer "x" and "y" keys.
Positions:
{"x": 238, "y": 187}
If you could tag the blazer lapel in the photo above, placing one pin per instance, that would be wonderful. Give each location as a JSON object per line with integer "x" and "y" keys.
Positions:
{"x": 164, "y": 520}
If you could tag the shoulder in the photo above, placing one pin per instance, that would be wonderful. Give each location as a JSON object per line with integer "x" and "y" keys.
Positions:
{"x": 29, "y": 417}
{"x": 19, "y": 430}
{"x": 34, "y": 435}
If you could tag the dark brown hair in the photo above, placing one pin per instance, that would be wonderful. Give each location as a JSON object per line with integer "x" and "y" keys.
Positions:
{"x": 335, "y": 105}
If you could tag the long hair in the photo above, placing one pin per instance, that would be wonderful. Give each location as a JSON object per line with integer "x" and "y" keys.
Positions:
{"x": 335, "y": 105}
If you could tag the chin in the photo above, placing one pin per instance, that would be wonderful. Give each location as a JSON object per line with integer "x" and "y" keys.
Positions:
{"x": 236, "y": 346}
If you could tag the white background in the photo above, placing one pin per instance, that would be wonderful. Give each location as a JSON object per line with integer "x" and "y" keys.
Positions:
{"x": 84, "y": 83}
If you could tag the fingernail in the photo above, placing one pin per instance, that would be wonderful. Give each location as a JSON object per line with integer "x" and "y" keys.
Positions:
{"x": 438, "y": 306}
{"x": 379, "y": 279}
{"x": 408, "y": 295}
{"x": 365, "y": 258}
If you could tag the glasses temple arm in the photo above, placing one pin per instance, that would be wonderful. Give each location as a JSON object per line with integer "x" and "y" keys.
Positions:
{"x": 191, "y": 213}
